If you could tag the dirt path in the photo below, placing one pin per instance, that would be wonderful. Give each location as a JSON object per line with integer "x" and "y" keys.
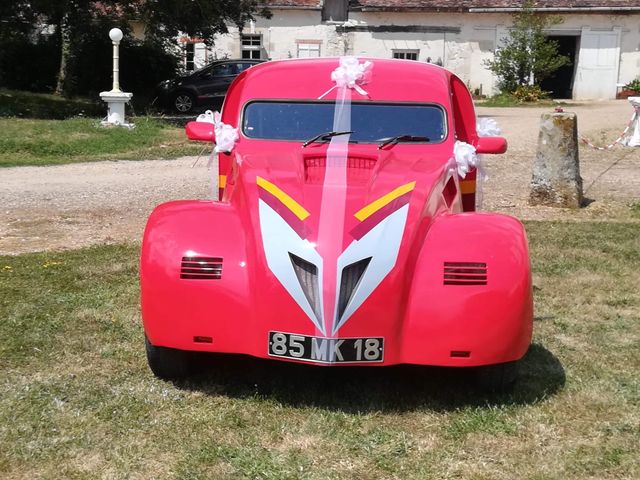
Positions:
{"x": 69, "y": 206}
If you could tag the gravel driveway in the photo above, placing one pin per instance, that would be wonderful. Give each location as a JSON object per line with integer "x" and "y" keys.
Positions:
{"x": 69, "y": 206}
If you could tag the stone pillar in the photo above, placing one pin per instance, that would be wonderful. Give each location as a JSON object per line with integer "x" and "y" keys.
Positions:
{"x": 634, "y": 138}
{"x": 556, "y": 170}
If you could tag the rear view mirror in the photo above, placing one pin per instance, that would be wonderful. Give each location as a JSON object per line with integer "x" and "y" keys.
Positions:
{"x": 201, "y": 131}
{"x": 491, "y": 145}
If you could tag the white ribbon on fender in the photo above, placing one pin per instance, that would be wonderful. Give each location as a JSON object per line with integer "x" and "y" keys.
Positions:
{"x": 352, "y": 74}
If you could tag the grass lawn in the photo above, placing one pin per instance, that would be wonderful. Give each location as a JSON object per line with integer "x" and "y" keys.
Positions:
{"x": 48, "y": 142}
{"x": 77, "y": 399}
{"x": 507, "y": 100}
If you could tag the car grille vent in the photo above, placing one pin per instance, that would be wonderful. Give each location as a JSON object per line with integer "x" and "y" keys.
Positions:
{"x": 351, "y": 276}
{"x": 307, "y": 274}
{"x": 465, "y": 273}
{"x": 358, "y": 168}
{"x": 201, "y": 268}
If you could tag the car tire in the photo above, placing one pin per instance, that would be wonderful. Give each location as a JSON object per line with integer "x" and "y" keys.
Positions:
{"x": 183, "y": 102}
{"x": 499, "y": 378}
{"x": 168, "y": 363}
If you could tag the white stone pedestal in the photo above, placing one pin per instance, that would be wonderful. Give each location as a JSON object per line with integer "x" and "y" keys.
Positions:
{"x": 634, "y": 139}
{"x": 116, "y": 102}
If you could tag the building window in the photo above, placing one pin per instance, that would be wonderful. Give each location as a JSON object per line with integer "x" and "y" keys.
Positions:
{"x": 335, "y": 10}
{"x": 251, "y": 46}
{"x": 308, "y": 49}
{"x": 406, "y": 54}
{"x": 190, "y": 50}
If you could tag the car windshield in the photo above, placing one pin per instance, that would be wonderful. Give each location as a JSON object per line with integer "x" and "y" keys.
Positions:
{"x": 370, "y": 122}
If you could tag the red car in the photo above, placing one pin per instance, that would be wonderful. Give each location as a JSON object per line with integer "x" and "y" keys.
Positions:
{"x": 345, "y": 233}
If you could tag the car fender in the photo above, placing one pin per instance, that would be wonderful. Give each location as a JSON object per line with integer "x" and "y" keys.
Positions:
{"x": 471, "y": 298}
{"x": 193, "y": 275}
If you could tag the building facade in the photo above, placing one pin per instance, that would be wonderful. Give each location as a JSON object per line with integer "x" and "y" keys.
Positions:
{"x": 602, "y": 38}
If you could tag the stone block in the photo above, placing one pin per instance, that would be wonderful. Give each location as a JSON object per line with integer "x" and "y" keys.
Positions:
{"x": 556, "y": 177}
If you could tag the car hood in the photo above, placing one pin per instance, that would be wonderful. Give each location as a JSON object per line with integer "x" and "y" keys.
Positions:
{"x": 332, "y": 227}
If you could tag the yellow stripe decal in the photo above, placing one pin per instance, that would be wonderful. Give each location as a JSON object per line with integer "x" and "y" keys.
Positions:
{"x": 468, "y": 186}
{"x": 297, "y": 209}
{"x": 373, "y": 207}
{"x": 222, "y": 181}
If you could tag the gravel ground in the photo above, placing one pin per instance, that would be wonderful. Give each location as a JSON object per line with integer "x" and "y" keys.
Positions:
{"x": 69, "y": 206}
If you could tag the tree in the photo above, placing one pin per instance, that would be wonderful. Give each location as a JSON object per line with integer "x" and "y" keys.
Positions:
{"x": 527, "y": 55}
{"x": 165, "y": 19}
{"x": 76, "y": 20}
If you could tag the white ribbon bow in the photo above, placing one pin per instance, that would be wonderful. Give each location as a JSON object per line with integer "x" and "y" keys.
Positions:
{"x": 351, "y": 73}
{"x": 465, "y": 156}
{"x": 226, "y": 135}
{"x": 487, "y": 127}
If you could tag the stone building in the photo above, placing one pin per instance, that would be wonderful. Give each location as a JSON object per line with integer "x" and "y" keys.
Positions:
{"x": 602, "y": 37}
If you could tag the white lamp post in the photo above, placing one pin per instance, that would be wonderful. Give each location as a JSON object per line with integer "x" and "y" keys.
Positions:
{"x": 115, "y": 34}
{"x": 116, "y": 98}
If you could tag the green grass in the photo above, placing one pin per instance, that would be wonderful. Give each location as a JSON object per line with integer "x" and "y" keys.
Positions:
{"x": 16, "y": 103}
{"x": 78, "y": 401}
{"x": 508, "y": 100}
{"x": 49, "y": 142}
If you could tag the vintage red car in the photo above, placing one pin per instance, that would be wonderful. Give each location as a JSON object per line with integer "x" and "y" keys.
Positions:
{"x": 344, "y": 234}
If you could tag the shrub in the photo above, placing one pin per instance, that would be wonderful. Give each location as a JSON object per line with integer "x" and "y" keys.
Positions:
{"x": 634, "y": 85}
{"x": 28, "y": 65}
{"x": 529, "y": 93}
{"x": 527, "y": 54}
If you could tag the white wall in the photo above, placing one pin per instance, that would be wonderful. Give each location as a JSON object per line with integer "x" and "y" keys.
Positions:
{"x": 464, "y": 53}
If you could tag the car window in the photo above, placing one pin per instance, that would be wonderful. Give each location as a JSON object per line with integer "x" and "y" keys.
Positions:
{"x": 224, "y": 70}
{"x": 243, "y": 66}
{"x": 370, "y": 122}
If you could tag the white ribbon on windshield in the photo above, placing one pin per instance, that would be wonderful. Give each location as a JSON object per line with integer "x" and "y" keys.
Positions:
{"x": 349, "y": 75}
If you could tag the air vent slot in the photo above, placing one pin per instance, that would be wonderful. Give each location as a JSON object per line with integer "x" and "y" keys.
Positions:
{"x": 465, "y": 273}
{"x": 307, "y": 274}
{"x": 358, "y": 168}
{"x": 201, "y": 268}
{"x": 351, "y": 276}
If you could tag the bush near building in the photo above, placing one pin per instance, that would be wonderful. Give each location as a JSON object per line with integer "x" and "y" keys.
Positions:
{"x": 527, "y": 56}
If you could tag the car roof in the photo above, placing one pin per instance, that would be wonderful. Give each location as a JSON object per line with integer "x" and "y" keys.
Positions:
{"x": 391, "y": 80}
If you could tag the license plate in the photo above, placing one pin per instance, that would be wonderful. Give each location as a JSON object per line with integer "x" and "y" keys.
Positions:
{"x": 326, "y": 350}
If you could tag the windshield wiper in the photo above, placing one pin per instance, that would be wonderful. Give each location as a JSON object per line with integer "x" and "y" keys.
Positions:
{"x": 324, "y": 136}
{"x": 401, "y": 138}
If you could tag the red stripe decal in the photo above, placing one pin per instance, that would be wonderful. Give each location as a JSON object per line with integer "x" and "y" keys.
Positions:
{"x": 287, "y": 215}
{"x": 364, "y": 227}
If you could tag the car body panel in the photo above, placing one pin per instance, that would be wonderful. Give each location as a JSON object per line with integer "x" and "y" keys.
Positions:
{"x": 341, "y": 240}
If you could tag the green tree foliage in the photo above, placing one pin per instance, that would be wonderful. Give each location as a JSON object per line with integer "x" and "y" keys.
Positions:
{"x": 165, "y": 19}
{"x": 527, "y": 54}
{"x": 78, "y": 31}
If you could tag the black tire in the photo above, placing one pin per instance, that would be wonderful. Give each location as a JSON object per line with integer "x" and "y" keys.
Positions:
{"x": 183, "y": 102}
{"x": 168, "y": 363}
{"x": 499, "y": 378}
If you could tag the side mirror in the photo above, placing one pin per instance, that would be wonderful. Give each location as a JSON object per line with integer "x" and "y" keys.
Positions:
{"x": 201, "y": 131}
{"x": 491, "y": 145}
